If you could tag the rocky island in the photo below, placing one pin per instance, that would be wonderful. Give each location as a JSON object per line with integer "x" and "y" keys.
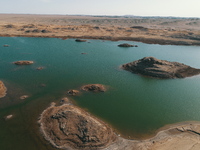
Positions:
{"x": 23, "y": 62}
{"x": 127, "y": 45}
{"x": 69, "y": 127}
{"x": 94, "y": 87}
{"x": 3, "y": 89}
{"x": 152, "y": 67}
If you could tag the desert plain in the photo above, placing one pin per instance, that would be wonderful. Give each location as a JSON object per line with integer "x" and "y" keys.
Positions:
{"x": 156, "y": 30}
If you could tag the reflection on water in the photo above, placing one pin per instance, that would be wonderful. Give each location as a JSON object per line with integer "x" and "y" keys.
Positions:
{"x": 133, "y": 105}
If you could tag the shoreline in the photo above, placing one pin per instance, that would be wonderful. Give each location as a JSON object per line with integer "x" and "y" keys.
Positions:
{"x": 108, "y": 38}
{"x": 161, "y": 31}
{"x": 179, "y": 136}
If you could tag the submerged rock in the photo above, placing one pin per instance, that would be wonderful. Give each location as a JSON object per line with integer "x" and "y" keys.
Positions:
{"x": 94, "y": 88}
{"x": 127, "y": 45}
{"x": 8, "y": 117}
{"x": 69, "y": 127}
{"x": 152, "y": 67}
{"x": 40, "y": 68}
{"x": 23, "y": 62}
{"x": 24, "y": 96}
{"x": 6, "y": 45}
{"x": 3, "y": 89}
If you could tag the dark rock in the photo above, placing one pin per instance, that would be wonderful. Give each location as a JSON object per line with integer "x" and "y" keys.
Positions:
{"x": 80, "y": 40}
{"x": 127, "y": 45}
{"x": 44, "y": 31}
{"x": 36, "y": 31}
{"x": 9, "y": 26}
{"x": 152, "y": 67}
{"x": 140, "y": 28}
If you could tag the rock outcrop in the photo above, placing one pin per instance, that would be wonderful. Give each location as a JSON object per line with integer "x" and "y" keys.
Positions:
{"x": 73, "y": 92}
{"x": 23, "y": 62}
{"x": 80, "y": 40}
{"x": 3, "y": 89}
{"x": 94, "y": 88}
{"x": 6, "y": 45}
{"x": 127, "y": 45}
{"x": 69, "y": 127}
{"x": 152, "y": 67}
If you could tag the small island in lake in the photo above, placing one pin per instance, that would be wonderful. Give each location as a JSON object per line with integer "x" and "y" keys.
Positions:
{"x": 127, "y": 45}
{"x": 23, "y": 62}
{"x": 94, "y": 87}
{"x": 152, "y": 67}
{"x": 68, "y": 126}
{"x": 3, "y": 89}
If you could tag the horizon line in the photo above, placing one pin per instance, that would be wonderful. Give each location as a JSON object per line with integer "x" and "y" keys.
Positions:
{"x": 130, "y": 16}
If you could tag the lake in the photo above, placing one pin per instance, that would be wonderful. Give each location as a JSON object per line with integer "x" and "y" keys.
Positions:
{"x": 135, "y": 106}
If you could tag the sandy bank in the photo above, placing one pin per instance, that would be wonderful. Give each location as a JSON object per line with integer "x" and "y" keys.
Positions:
{"x": 3, "y": 89}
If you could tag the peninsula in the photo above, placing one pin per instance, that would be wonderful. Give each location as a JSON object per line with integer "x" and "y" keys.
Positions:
{"x": 69, "y": 127}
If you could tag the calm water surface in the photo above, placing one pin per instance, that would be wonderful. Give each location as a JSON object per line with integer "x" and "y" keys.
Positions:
{"x": 133, "y": 105}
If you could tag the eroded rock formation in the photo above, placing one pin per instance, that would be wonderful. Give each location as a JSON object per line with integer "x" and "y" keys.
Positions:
{"x": 152, "y": 67}
{"x": 23, "y": 62}
{"x": 68, "y": 126}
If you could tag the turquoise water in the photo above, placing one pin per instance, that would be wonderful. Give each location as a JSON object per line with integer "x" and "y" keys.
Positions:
{"x": 133, "y": 105}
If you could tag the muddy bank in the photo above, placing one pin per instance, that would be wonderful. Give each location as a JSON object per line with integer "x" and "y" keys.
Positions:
{"x": 3, "y": 89}
{"x": 162, "y": 69}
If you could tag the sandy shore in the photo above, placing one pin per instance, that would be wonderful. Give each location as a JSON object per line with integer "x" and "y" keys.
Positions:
{"x": 148, "y": 30}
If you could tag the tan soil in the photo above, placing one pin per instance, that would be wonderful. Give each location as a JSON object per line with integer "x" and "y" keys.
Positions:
{"x": 148, "y": 30}
{"x": 3, "y": 89}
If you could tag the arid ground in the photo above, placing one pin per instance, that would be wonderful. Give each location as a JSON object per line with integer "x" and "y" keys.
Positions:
{"x": 175, "y": 31}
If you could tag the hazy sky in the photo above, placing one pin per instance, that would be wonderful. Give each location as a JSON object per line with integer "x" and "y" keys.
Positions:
{"x": 181, "y": 8}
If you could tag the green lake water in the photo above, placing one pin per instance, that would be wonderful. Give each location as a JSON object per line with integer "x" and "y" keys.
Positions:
{"x": 134, "y": 105}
